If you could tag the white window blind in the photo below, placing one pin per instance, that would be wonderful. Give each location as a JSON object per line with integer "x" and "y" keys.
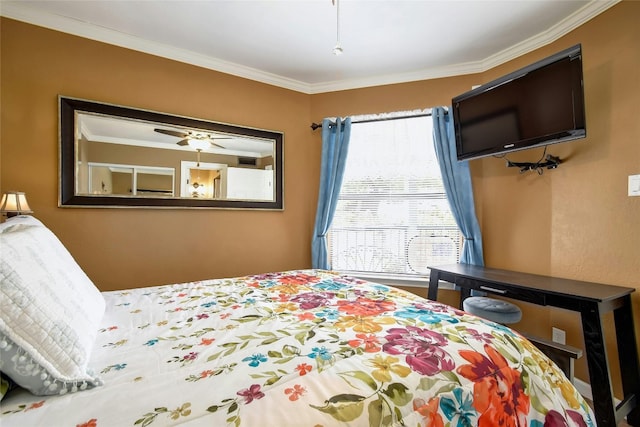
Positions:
{"x": 392, "y": 217}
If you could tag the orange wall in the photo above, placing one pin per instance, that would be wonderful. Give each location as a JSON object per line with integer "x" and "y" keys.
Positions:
{"x": 575, "y": 222}
{"x": 121, "y": 248}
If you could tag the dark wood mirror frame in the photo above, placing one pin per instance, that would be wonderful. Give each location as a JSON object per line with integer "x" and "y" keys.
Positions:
{"x": 68, "y": 107}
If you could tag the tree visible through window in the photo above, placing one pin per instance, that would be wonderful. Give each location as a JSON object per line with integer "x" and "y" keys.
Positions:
{"x": 392, "y": 217}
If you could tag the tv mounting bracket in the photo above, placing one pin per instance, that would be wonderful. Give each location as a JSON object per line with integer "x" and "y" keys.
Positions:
{"x": 551, "y": 162}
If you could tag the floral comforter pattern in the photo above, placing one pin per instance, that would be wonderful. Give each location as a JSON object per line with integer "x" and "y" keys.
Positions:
{"x": 304, "y": 348}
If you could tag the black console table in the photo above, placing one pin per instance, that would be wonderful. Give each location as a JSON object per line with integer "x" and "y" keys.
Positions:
{"x": 591, "y": 300}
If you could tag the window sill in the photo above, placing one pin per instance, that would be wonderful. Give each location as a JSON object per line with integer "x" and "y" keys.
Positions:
{"x": 390, "y": 280}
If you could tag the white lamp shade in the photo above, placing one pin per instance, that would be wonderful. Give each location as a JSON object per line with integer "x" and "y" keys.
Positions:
{"x": 14, "y": 202}
{"x": 199, "y": 144}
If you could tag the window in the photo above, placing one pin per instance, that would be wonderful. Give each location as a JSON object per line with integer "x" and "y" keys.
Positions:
{"x": 392, "y": 219}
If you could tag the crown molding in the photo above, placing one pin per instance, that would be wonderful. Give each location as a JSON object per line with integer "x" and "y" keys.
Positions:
{"x": 22, "y": 12}
{"x": 570, "y": 23}
{"x": 426, "y": 74}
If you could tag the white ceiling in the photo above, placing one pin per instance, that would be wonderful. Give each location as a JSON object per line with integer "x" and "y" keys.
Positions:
{"x": 289, "y": 43}
{"x": 119, "y": 130}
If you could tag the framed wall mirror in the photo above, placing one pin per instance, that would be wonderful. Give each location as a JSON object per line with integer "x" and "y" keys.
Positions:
{"x": 115, "y": 156}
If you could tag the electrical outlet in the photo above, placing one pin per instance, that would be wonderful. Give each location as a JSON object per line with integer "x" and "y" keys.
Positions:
{"x": 558, "y": 335}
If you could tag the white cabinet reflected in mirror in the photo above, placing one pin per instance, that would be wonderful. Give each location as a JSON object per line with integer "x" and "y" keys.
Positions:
{"x": 120, "y": 156}
{"x": 125, "y": 180}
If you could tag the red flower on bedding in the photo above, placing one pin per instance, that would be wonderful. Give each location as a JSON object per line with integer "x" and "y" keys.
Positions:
{"x": 35, "y": 405}
{"x": 303, "y": 369}
{"x": 498, "y": 392}
{"x": 298, "y": 279}
{"x": 91, "y": 423}
{"x": 207, "y": 341}
{"x": 366, "y": 307}
{"x": 283, "y": 298}
{"x": 295, "y": 392}
{"x": 429, "y": 410}
{"x": 306, "y": 316}
{"x": 371, "y": 342}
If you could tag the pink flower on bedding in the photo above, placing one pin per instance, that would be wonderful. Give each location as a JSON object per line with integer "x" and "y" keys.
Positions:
{"x": 251, "y": 393}
{"x": 481, "y": 336}
{"x": 91, "y": 423}
{"x": 312, "y": 300}
{"x": 191, "y": 356}
{"x": 555, "y": 419}
{"x": 422, "y": 347}
{"x": 207, "y": 341}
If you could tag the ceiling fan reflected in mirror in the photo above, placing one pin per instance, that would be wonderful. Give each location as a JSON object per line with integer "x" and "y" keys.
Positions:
{"x": 197, "y": 140}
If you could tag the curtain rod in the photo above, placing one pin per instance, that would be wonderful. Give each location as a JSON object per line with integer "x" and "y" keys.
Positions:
{"x": 315, "y": 126}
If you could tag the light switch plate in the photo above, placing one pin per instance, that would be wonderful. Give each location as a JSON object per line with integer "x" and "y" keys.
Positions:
{"x": 634, "y": 185}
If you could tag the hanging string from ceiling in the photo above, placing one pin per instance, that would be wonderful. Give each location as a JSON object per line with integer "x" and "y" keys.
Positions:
{"x": 337, "y": 50}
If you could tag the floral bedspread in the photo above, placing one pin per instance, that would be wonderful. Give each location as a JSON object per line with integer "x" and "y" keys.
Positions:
{"x": 304, "y": 348}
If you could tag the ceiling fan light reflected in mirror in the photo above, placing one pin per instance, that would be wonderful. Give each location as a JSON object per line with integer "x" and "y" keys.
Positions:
{"x": 193, "y": 139}
{"x": 198, "y": 144}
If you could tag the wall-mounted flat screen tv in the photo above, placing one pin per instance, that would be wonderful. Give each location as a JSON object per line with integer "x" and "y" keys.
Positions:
{"x": 538, "y": 105}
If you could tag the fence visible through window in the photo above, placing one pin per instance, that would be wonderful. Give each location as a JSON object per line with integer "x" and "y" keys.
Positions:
{"x": 393, "y": 251}
{"x": 392, "y": 216}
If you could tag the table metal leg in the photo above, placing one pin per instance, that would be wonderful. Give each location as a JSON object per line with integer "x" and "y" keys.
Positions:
{"x": 599, "y": 376}
{"x": 434, "y": 279}
{"x": 629, "y": 365}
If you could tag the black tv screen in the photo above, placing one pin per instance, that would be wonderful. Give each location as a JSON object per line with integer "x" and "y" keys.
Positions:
{"x": 538, "y": 105}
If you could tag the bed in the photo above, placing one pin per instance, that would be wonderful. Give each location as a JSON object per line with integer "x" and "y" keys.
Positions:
{"x": 291, "y": 348}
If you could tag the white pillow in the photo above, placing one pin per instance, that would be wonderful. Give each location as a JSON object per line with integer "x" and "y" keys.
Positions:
{"x": 50, "y": 311}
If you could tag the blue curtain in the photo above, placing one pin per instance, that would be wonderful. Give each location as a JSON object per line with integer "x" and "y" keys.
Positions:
{"x": 335, "y": 145}
{"x": 457, "y": 184}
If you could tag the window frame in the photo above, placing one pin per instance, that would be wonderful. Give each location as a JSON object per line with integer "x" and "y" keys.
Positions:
{"x": 421, "y": 279}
